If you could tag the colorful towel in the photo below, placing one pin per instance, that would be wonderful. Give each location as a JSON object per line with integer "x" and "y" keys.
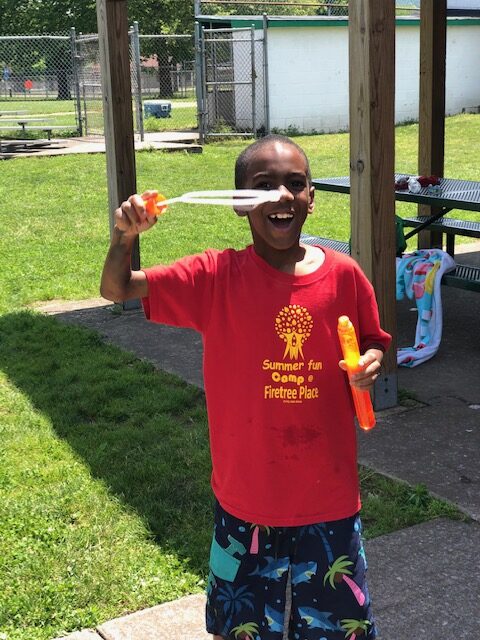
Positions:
{"x": 419, "y": 275}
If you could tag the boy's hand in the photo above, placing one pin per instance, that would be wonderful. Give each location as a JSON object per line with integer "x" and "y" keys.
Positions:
{"x": 131, "y": 217}
{"x": 370, "y": 362}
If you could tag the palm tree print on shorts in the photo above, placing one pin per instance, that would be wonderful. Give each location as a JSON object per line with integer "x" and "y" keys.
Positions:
{"x": 338, "y": 572}
{"x": 234, "y": 600}
{"x": 354, "y": 628}
{"x": 256, "y": 529}
{"x": 246, "y": 631}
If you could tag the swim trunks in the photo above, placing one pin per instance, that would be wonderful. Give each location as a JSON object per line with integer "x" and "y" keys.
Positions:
{"x": 251, "y": 565}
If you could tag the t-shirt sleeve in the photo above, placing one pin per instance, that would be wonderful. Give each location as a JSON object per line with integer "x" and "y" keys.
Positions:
{"x": 370, "y": 332}
{"x": 180, "y": 294}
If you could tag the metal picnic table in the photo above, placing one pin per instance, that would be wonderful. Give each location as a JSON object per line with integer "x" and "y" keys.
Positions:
{"x": 451, "y": 194}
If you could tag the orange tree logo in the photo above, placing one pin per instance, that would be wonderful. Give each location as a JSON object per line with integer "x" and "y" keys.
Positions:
{"x": 293, "y": 325}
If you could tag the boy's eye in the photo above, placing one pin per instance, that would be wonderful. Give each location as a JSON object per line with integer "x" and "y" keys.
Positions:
{"x": 266, "y": 186}
{"x": 298, "y": 185}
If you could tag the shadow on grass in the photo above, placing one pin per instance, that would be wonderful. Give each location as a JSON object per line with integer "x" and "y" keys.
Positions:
{"x": 142, "y": 432}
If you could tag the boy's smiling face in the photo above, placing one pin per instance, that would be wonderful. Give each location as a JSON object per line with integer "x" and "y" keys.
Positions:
{"x": 276, "y": 226}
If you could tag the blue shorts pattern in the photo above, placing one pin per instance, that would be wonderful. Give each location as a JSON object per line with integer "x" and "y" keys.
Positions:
{"x": 249, "y": 569}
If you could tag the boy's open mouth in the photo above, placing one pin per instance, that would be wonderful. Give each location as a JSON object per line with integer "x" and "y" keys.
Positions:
{"x": 280, "y": 219}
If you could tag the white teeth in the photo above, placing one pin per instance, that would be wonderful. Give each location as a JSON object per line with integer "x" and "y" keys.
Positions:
{"x": 281, "y": 216}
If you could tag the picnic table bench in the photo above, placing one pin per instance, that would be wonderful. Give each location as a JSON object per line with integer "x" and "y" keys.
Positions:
{"x": 452, "y": 194}
{"x": 12, "y": 113}
{"x": 25, "y": 124}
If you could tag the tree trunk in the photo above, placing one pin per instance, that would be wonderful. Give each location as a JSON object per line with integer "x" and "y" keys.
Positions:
{"x": 164, "y": 75}
{"x": 63, "y": 85}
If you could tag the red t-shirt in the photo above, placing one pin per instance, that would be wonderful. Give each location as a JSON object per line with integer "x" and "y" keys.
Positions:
{"x": 282, "y": 434}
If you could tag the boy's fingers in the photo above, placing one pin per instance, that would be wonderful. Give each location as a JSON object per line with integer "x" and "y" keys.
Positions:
{"x": 130, "y": 212}
{"x": 151, "y": 193}
{"x": 138, "y": 205}
{"x": 131, "y": 215}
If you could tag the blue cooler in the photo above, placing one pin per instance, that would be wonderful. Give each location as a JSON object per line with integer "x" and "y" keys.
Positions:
{"x": 157, "y": 109}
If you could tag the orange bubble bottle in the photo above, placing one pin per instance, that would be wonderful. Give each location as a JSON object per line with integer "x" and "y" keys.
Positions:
{"x": 351, "y": 356}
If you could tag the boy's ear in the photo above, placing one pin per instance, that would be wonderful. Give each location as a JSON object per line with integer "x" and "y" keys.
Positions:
{"x": 311, "y": 201}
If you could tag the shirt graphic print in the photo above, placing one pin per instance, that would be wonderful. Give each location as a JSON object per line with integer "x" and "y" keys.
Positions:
{"x": 292, "y": 379}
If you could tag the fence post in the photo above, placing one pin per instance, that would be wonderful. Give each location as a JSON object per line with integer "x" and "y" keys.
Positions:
{"x": 254, "y": 78}
{"x": 76, "y": 80}
{"x": 265, "y": 75}
{"x": 205, "y": 99}
{"x": 199, "y": 82}
{"x": 138, "y": 68}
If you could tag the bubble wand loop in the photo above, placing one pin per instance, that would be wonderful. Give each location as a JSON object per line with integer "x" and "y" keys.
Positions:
{"x": 351, "y": 356}
{"x": 242, "y": 200}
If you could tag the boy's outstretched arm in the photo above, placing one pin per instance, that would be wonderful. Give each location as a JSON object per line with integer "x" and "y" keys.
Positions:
{"x": 118, "y": 281}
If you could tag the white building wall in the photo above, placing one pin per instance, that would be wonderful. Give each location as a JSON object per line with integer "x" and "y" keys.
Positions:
{"x": 308, "y": 75}
{"x": 308, "y": 78}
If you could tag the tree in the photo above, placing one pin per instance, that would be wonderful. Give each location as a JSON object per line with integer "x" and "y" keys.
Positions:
{"x": 37, "y": 17}
{"x": 41, "y": 17}
{"x": 164, "y": 17}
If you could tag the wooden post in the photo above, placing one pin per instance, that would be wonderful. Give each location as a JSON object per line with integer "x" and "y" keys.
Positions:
{"x": 372, "y": 151}
{"x": 117, "y": 107}
{"x": 431, "y": 138}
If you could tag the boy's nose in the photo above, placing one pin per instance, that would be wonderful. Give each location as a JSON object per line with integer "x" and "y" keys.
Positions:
{"x": 285, "y": 194}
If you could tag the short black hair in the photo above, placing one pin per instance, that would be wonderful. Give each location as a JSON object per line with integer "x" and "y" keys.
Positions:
{"x": 247, "y": 154}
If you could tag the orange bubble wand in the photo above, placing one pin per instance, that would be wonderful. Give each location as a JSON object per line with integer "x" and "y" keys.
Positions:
{"x": 242, "y": 200}
{"x": 351, "y": 356}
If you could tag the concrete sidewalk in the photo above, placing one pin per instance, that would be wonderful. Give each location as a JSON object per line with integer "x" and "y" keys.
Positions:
{"x": 162, "y": 140}
{"x": 425, "y": 580}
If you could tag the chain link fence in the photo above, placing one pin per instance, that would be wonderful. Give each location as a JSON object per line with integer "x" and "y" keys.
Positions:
{"x": 37, "y": 94}
{"x": 232, "y": 82}
{"x": 167, "y": 79}
{"x": 162, "y": 74}
{"x": 53, "y": 82}
{"x": 89, "y": 83}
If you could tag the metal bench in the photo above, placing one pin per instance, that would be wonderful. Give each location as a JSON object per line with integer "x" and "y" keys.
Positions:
{"x": 463, "y": 277}
{"x": 449, "y": 226}
{"x": 49, "y": 128}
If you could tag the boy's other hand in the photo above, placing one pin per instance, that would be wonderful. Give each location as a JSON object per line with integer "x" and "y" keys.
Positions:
{"x": 370, "y": 363}
{"x": 131, "y": 217}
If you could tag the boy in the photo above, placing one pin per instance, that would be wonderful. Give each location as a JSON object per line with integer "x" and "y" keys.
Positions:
{"x": 282, "y": 433}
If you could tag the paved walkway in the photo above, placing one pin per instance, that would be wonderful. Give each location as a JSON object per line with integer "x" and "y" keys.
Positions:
{"x": 168, "y": 140}
{"x": 425, "y": 580}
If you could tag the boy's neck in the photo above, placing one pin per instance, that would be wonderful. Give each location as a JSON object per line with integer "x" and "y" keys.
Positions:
{"x": 298, "y": 261}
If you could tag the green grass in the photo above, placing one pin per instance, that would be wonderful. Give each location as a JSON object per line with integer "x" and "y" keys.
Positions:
{"x": 181, "y": 118}
{"x": 105, "y": 505}
{"x": 35, "y": 107}
{"x": 388, "y": 505}
{"x": 105, "y": 500}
